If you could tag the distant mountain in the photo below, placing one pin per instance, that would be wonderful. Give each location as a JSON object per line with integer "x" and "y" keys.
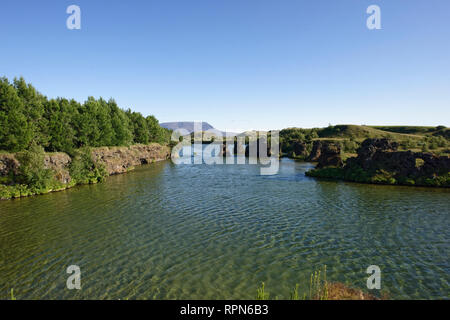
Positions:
{"x": 187, "y": 125}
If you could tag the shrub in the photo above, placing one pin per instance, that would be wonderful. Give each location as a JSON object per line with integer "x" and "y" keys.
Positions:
{"x": 383, "y": 177}
{"x": 84, "y": 170}
{"x": 350, "y": 146}
{"x": 32, "y": 171}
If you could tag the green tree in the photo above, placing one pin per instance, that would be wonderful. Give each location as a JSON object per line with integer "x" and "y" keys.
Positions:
{"x": 27, "y": 117}
{"x": 33, "y": 108}
{"x": 139, "y": 126}
{"x": 123, "y": 135}
{"x": 157, "y": 133}
{"x": 15, "y": 132}
{"x": 59, "y": 125}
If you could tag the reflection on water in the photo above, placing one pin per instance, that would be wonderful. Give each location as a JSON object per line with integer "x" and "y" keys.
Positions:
{"x": 215, "y": 232}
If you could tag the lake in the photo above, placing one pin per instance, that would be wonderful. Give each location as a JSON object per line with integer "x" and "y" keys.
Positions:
{"x": 167, "y": 231}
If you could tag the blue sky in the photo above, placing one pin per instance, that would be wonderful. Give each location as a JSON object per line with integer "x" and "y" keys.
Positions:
{"x": 240, "y": 64}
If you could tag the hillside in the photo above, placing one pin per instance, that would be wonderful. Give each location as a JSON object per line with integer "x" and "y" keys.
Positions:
{"x": 357, "y": 132}
{"x": 187, "y": 125}
{"x": 421, "y": 130}
{"x": 297, "y": 142}
{"x": 417, "y": 130}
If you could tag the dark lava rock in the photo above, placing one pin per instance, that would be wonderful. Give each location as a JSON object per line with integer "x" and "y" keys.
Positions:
{"x": 299, "y": 148}
{"x": 382, "y": 154}
{"x": 315, "y": 152}
{"x": 330, "y": 155}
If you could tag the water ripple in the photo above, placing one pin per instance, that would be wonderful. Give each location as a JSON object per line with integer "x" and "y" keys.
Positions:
{"x": 216, "y": 232}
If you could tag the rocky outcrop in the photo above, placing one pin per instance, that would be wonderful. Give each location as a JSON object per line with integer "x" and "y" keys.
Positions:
{"x": 380, "y": 162}
{"x": 326, "y": 153}
{"x": 8, "y": 163}
{"x": 59, "y": 163}
{"x": 115, "y": 160}
{"x": 300, "y": 149}
{"x": 118, "y": 160}
{"x": 382, "y": 154}
{"x": 315, "y": 152}
{"x": 330, "y": 155}
{"x": 433, "y": 164}
{"x": 374, "y": 149}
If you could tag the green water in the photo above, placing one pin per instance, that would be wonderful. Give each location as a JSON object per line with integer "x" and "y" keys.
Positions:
{"x": 216, "y": 232}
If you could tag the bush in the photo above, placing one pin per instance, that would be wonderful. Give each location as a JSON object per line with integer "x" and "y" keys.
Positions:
{"x": 332, "y": 173}
{"x": 84, "y": 170}
{"x": 383, "y": 177}
{"x": 32, "y": 171}
{"x": 350, "y": 146}
{"x": 14, "y": 191}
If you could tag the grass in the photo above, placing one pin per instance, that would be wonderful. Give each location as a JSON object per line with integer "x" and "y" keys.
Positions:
{"x": 363, "y": 132}
{"x": 12, "y": 295}
{"x": 349, "y": 137}
{"x": 261, "y": 293}
{"x": 20, "y": 190}
{"x": 418, "y": 130}
{"x": 320, "y": 289}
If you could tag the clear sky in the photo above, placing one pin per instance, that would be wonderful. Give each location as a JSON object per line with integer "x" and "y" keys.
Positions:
{"x": 239, "y": 64}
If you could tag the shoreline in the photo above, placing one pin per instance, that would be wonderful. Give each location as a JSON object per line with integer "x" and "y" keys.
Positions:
{"x": 113, "y": 161}
{"x": 311, "y": 174}
{"x": 120, "y": 160}
{"x": 67, "y": 187}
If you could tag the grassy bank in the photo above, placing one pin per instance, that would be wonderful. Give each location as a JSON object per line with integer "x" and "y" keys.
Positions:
{"x": 8, "y": 192}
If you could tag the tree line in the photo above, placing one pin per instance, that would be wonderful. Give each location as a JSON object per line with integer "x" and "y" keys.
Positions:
{"x": 29, "y": 118}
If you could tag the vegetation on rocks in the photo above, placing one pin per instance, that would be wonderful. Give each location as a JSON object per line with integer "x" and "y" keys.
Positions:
{"x": 41, "y": 172}
{"x": 31, "y": 178}
{"x": 298, "y": 143}
{"x": 84, "y": 170}
{"x": 31, "y": 126}
{"x": 379, "y": 161}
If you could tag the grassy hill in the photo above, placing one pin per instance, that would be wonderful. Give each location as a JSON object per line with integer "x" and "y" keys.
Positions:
{"x": 439, "y": 131}
{"x": 356, "y": 132}
{"x": 349, "y": 136}
{"x": 418, "y": 130}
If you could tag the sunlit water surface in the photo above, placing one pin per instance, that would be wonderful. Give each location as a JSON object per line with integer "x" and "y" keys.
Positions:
{"x": 170, "y": 231}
